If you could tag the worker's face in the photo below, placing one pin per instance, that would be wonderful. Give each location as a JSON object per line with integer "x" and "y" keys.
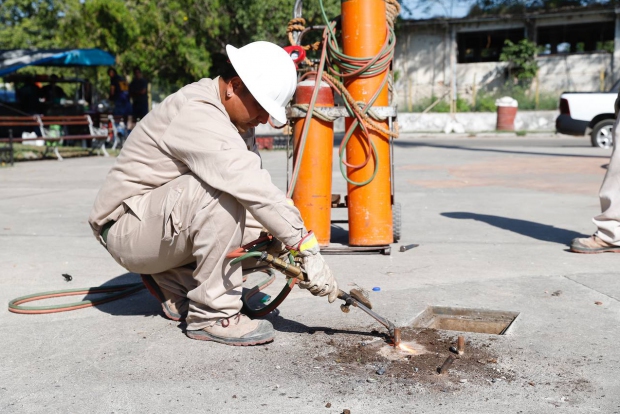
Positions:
{"x": 244, "y": 111}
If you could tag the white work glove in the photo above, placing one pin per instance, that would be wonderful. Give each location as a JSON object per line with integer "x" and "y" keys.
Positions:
{"x": 320, "y": 280}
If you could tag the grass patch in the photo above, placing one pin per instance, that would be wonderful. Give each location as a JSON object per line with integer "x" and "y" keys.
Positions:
{"x": 485, "y": 101}
{"x": 32, "y": 152}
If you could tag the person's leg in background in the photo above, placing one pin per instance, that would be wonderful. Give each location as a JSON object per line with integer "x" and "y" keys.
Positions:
{"x": 607, "y": 236}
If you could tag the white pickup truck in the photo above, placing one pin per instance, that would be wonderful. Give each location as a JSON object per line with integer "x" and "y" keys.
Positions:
{"x": 593, "y": 112}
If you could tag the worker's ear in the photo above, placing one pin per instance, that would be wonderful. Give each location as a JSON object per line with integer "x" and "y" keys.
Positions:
{"x": 234, "y": 86}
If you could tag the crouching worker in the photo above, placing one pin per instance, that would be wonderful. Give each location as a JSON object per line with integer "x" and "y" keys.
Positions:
{"x": 174, "y": 204}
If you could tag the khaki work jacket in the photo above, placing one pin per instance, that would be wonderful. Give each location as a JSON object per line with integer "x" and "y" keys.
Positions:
{"x": 190, "y": 131}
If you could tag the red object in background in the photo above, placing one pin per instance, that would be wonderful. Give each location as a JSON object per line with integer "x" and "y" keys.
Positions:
{"x": 297, "y": 53}
{"x": 506, "y": 118}
{"x": 264, "y": 143}
{"x": 110, "y": 131}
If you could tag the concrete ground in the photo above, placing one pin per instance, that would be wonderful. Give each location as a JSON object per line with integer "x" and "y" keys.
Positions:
{"x": 493, "y": 216}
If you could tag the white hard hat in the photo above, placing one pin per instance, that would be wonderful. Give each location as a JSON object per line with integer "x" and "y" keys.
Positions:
{"x": 269, "y": 74}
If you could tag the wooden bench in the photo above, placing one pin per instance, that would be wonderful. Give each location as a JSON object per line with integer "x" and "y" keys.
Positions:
{"x": 15, "y": 125}
{"x": 73, "y": 127}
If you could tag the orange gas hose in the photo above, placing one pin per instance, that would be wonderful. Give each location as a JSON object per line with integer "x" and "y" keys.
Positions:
{"x": 123, "y": 290}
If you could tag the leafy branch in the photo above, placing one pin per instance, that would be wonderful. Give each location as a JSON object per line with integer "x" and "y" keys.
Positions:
{"x": 522, "y": 60}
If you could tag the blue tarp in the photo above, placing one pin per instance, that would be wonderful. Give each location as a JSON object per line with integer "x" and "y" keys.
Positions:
{"x": 12, "y": 60}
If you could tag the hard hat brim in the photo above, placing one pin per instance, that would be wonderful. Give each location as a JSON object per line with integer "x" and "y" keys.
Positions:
{"x": 243, "y": 69}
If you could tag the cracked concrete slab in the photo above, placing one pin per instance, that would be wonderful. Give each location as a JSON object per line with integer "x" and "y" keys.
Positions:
{"x": 606, "y": 284}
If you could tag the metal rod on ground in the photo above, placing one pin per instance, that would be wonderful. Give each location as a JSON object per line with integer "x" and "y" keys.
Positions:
{"x": 460, "y": 345}
{"x": 446, "y": 364}
{"x": 396, "y": 337}
{"x": 404, "y": 248}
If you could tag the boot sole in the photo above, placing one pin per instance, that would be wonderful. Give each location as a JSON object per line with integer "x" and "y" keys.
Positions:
{"x": 205, "y": 336}
{"x": 171, "y": 315}
{"x": 594, "y": 251}
{"x": 154, "y": 289}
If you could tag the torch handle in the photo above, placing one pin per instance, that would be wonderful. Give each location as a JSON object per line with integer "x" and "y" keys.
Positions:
{"x": 289, "y": 269}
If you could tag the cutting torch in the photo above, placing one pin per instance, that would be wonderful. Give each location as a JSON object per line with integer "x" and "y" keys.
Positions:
{"x": 354, "y": 298}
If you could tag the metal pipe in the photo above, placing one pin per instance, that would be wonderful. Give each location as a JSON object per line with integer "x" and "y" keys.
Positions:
{"x": 297, "y": 12}
{"x": 309, "y": 29}
{"x": 460, "y": 345}
{"x": 404, "y": 248}
{"x": 446, "y": 364}
{"x": 396, "y": 337}
{"x": 292, "y": 270}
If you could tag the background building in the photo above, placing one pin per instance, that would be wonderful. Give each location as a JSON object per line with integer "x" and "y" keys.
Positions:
{"x": 579, "y": 50}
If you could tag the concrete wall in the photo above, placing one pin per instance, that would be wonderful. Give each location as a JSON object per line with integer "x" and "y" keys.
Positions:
{"x": 575, "y": 72}
{"x": 535, "y": 121}
{"x": 422, "y": 62}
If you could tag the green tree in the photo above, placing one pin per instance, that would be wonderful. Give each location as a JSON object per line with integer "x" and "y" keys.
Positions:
{"x": 173, "y": 41}
{"x": 32, "y": 23}
{"x": 522, "y": 60}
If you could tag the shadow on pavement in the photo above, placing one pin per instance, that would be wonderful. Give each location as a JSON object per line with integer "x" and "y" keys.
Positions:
{"x": 144, "y": 304}
{"x": 281, "y": 324}
{"x": 339, "y": 234}
{"x": 139, "y": 303}
{"x": 493, "y": 150}
{"x": 531, "y": 229}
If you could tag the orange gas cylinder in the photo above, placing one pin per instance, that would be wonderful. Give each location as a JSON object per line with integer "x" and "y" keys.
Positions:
{"x": 313, "y": 189}
{"x": 364, "y": 31}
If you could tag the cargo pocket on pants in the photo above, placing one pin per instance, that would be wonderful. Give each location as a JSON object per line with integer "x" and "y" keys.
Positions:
{"x": 172, "y": 220}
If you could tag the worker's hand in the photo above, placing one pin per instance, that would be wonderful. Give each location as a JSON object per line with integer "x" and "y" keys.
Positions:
{"x": 320, "y": 279}
{"x": 275, "y": 247}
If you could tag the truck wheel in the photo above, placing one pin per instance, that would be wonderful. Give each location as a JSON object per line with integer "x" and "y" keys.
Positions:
{"x": 396, "y": 221}
{"x": 601, "y": 136}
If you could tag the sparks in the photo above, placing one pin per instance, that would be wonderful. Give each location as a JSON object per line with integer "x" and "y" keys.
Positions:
{"x": 406, "y": 348}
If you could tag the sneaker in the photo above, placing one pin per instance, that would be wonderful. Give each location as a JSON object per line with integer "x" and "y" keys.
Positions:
{"x": 592, "y": 244}
{"x": 237, "y": 330}
{"x": 175, "y": 307}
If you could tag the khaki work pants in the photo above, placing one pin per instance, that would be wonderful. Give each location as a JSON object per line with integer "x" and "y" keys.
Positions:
{"x": 181, "y": 237}
{"x": 608, "y": 222}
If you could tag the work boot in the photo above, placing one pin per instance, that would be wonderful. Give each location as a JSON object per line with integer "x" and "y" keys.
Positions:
{"x": 237, "y": 330}
{"x": 175, "y": 307}
{"x": 592, "y": 244}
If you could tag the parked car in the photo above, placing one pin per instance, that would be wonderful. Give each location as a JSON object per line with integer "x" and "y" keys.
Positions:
{"x": 588, "y": 112}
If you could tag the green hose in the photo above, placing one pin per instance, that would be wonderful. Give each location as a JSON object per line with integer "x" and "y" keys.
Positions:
{"x": 123, "y": 290}
{"x": 245, "y": 297}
